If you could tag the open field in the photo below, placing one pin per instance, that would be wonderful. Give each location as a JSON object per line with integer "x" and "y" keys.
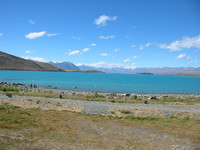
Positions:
{"x": 41, "y": 119}
{"x": 35, "y": 128}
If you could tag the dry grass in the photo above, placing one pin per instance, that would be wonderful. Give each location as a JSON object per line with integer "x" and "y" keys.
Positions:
{"x": 47, "y": 129}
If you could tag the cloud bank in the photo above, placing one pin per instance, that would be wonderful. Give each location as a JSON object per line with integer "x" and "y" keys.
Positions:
{"x": 185, "y": 42}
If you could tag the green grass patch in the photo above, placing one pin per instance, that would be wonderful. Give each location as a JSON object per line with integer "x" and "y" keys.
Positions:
{"x": 125, "y": 111}
{"x": 13, "y": 117}
{"x": 7, "y": 89}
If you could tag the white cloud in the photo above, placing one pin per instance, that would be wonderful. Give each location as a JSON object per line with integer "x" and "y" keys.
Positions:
{"x": 186, "y": 42}
{"x": 34, "y": 35}
{"x": 107, "y": 37}
{"x": 69, "y": 52}
{"x": 133, "y": 64}
{"x": 52, "y": 34}
{"x": 31, "y": 21}
{"x": 133, "y": 45}
{"x": 35, "y": 58}
{"x": 28, "y": 52}
{"x": 129, "y": 59}
{"x": 93, "y": 44}
{"x": 76, "y": 37}
{"x": 109, "y": 65}
{"x": 85, "y": 49}
{"x": 134, "y": 57}
{"x": 104, "y": 54}
{"x": 116, "y": 50}
{"x": 74, "y": 52}
{"x": 192, "y": 61}
{"x": 102, "y": 20}
{"x": 1, "y": 34}
{"x": 183, "y": 56}
{"x": 145, "y": 45}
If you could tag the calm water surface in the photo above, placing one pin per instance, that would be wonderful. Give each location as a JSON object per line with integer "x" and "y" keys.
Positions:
{"x": 122, "y": 83}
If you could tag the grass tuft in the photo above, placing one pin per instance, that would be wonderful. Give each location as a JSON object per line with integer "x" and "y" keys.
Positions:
{"x": 125, "y": 111}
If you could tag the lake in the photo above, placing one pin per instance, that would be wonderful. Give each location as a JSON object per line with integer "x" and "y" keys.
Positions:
{"x": 105, "y": 82}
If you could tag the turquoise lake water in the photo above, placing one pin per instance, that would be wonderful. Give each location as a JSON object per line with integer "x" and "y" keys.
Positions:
{"x": 121, "y": 83}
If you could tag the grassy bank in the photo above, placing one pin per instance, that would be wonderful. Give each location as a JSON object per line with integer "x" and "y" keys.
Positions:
{"x": 46, "y": 129}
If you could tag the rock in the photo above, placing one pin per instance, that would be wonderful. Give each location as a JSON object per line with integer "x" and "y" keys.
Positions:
{"x": 127, "y": 95}
{"x": 152, "y": 98}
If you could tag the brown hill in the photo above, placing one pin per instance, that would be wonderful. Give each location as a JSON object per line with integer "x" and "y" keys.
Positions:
{"x": 10, "y": 62}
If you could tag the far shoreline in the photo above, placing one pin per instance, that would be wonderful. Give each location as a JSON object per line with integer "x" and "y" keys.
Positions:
{"x": 101, "y": 72}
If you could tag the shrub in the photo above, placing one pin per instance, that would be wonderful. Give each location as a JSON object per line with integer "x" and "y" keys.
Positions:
{"x": 9, "y": 89}
{"x": 96, "y": 95}
{"x": 60, "y": 96}
{"x": 125, "y": 111}
{"x": 135, "y": 97}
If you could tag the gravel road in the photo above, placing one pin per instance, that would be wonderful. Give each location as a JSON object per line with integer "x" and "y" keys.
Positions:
{"x": 92, "y": 107}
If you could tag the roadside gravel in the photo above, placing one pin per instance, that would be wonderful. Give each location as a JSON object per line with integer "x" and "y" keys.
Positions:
{"x": 93, "y": 107}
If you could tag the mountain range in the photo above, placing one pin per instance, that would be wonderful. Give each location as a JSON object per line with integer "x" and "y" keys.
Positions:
{"x": 151, "y": 70}
{"x": 10, "y": 62}
{"x": 142, "y": 70}
{"x": 64, "y": 65}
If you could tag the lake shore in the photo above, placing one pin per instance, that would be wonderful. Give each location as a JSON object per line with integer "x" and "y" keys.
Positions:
{"x": 33, "y": 87}
{"x": 37, "y": 118}
{"x": 32, "y": 90}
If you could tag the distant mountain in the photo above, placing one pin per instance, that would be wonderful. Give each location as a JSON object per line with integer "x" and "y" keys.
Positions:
{"x": 65, "y": 65}
{"x": 159, "y": 71}
{"x": 107, "y": 70}
{"x": 10, "y": 62}
{"x": 168, "y": 70}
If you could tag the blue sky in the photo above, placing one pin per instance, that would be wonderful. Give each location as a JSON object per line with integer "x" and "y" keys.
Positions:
{"x": 103, "y": 33}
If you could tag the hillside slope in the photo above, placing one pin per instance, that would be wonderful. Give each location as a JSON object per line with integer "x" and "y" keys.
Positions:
{"x": 10, "y": 62}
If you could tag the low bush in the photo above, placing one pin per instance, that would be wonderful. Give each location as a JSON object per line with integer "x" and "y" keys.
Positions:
{"x": 125, "y": 111}
{"x": 7, "y": 89}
